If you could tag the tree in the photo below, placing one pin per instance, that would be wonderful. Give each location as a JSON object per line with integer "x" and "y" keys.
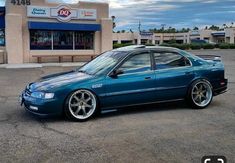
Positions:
{"x": 195, "y": 28}
{"x": 231, "y": 24}
{"x": 225, "y": 26}
{"x": 123, "y": 31}
{"x": 213, "y": 27}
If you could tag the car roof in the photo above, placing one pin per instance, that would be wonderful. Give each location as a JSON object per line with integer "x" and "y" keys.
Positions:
{"x": 134, "y": 48}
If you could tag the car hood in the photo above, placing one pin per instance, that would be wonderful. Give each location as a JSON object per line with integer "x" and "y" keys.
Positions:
{"x": 56, "y": 80}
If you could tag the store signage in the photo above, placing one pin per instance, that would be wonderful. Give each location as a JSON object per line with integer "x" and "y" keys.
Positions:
{"x": 88, "y": 14}
{"x": 63, "y": 13}
{"x": 35, "y": 11}
{"x": 143, "y": 33}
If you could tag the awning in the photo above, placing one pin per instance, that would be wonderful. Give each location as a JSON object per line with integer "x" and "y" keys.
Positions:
{"x": 218, "y": 33}
{"x": 64, "y": 26}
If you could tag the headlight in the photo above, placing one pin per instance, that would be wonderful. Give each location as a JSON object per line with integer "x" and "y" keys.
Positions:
{"x": 42, "y": 95}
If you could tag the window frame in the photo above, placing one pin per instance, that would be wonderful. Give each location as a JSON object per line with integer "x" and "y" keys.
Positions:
{"x": 164, "y": 51}
{"x": 128, "y": 57}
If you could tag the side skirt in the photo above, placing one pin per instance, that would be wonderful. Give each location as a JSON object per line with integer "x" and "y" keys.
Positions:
{"x": 122, "y": 106}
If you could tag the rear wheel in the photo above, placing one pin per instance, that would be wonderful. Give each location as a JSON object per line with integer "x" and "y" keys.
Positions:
{"x": 81, "y": 105}
{"x": 200, "y": 94}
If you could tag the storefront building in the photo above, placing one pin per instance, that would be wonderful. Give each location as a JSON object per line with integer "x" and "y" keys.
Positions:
{"x": 37, "y": 28}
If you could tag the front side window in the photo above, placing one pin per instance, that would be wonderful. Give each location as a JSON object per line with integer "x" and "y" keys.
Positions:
{"x": 40, "y": 40}
{"x": 166, "y": 60}
{"x": 137, "y": 63}
{"x": 62, "y": 40}
{"x": 103, "y": 63}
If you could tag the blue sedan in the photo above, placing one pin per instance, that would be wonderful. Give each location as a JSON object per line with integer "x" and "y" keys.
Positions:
{"x": 127, "y": 76}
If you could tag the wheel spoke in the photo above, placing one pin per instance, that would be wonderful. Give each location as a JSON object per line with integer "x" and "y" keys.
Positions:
{"x": 88, "y": 106}
{"x": 200, "y": 87}
{"x": 76, "y": 98}
{"x": 88, "y": 99}
{"x": 200, "y": 99}
{"x": 77, "y": 111}
{"x": 73, "y": 105}
{"x": 84, "y": 111}
{"x": 83, "y": 96}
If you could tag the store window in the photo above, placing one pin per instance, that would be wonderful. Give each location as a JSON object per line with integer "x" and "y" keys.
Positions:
{"x": 84, "y": 40}
{"x": 2, "y": 37}
{"x": 62, "y": 40}
{"x": 40, "y": 40}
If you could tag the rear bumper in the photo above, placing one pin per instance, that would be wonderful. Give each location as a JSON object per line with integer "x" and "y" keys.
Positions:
{"x": 222, "y": 89}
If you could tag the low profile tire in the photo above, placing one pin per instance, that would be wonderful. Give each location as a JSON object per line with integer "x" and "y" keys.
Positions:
{"x": 81, "y": 105}
{"x": 200, "y": 94}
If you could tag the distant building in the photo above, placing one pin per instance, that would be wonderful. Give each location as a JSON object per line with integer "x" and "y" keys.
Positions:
{"x": 210, "y": 36}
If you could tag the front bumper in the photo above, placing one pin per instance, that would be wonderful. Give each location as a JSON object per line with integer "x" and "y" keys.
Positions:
{"x": 41, "y": 107}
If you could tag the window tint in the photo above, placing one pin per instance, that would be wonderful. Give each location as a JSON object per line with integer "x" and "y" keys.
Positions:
{"x": 84, "y": 40}
{"x": 137, "y": 63}
{"x": 166, "y": 60}
{"x": 40, "y": 40}
{"x": 62, "y": 40}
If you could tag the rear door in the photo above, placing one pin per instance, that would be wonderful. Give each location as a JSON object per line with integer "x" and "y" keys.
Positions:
{"x": 174, "y": 73}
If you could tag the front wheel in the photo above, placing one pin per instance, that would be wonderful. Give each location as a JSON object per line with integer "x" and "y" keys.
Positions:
{"x": 200, "y": 94}
{"x": 81, "y": 105}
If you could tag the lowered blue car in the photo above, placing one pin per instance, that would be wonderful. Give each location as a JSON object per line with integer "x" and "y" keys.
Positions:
{"x": 127, "y": 76}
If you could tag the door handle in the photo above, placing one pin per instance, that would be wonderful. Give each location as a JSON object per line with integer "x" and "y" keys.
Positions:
{"x": 147, "y": 78}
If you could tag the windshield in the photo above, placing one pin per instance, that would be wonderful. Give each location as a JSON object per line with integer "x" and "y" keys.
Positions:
{"x": 103, "y": 63}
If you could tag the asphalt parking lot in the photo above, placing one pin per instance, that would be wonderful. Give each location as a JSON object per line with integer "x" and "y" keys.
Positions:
{"x": 156, "y": 133}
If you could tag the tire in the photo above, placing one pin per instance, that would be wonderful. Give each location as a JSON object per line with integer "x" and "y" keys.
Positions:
{"x": 81, "y": 105}
{"x": 200, "y": 94}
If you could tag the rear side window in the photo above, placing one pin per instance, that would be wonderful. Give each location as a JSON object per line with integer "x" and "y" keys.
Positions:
{"x": 166, "y": 60}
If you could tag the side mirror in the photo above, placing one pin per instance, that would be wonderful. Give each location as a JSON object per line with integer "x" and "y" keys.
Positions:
{"x": 115, "y": 73}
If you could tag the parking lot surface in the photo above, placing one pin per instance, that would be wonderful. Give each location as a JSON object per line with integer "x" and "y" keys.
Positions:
{"x": 170, "y": 132}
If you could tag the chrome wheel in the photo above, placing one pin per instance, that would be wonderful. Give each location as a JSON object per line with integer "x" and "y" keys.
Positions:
{"x": 82, "y": 104}
{"x": 201, "y": 93}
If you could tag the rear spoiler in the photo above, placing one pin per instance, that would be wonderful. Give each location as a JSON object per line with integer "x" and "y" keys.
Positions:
{"x": 211, "y": 57}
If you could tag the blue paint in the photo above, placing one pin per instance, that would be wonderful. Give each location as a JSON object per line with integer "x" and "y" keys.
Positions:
{"x": 64, "y": 26}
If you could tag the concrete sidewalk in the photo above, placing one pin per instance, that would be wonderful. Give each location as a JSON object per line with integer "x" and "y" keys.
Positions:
{"x": 39, "y": 65}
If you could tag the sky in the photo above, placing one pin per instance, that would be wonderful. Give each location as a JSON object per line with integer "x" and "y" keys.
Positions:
{"x": 178, "y": 14}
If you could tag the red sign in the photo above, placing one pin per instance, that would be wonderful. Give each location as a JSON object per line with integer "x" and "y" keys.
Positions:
{"x": 64, "y": 12}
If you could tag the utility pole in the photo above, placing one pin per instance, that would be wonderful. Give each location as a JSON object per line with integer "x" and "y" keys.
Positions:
{"x": 163, "y": 28}
{"x": 139, "y": 26}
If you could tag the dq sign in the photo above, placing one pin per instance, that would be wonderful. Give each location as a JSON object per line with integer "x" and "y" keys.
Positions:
{"x": 63, "y": 13}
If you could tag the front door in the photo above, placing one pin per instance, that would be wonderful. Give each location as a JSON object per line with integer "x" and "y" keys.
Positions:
{"x": 135, "y": 85}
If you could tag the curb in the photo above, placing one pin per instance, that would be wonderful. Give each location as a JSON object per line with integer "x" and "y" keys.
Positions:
{"x": 37, "y": 65}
